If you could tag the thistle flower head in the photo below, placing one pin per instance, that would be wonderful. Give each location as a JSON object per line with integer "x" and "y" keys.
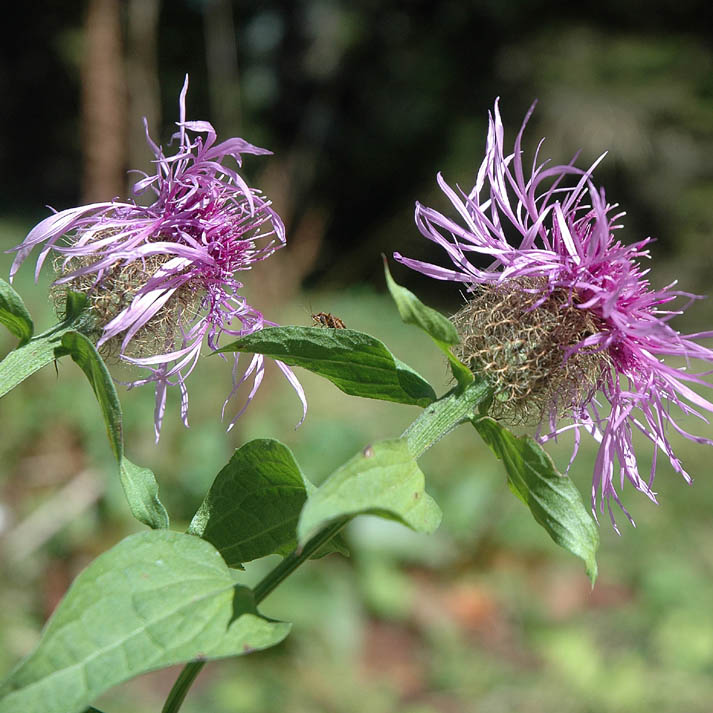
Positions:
{"x": 161, "y": 279}
{"x": 563, "y": 321}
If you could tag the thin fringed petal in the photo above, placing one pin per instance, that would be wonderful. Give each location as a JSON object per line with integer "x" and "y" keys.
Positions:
{"x": 294, "y": 382}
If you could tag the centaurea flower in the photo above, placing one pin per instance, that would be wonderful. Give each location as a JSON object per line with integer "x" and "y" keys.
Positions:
{"x": 160, "y": 279}
{"x": 563, "y": 320}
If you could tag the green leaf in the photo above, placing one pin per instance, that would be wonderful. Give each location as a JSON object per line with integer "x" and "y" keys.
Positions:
{"x": 252, "y": 508}
{"x": 14, "y": 314}
{"x": 26, "y": 360}
{"x": 384, "y": 479}
{"x": 139, "y": 483}
{"x": 75, "y": 304}
{"x": 356, "y": 363}
{"x": 156, "y": 599}
{"x": 85, "y": 355}
{"x": 141, "y": 490}
{"x": 413, "y": 311}
{"x": 438, "y": 327}
{"x": 553, "y": 499}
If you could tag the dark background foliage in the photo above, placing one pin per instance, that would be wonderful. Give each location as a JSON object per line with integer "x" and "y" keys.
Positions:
{"x": 364, "y": 102}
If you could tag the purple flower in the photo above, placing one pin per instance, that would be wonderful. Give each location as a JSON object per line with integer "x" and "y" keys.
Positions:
{"x": 161, "y": 278}
{"x": 548, "y": 236}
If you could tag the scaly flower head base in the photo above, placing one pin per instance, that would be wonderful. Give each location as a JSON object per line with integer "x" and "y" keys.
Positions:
{"x": 518, "y": 348}
{"x": 563, "y": 319}
{"x": 161, "y": 279}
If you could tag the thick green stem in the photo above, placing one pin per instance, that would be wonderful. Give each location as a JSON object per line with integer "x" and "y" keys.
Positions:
{"x": 296, "y": 558}
{"x": 442, "y": 416}
{"x": 266, "y": 585}
{"x": 436, "y": 421}
{"x": 182, "y": 685}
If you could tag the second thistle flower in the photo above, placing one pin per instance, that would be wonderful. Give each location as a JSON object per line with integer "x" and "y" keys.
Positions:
{"x": 560, "y": 316}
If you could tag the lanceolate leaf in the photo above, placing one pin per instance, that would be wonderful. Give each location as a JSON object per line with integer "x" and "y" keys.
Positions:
{"x": 252, "y": 508}
{"x": 438, "y": 327}
{"x": 356, "y": 363}
{"x": 139, "y": 483}
{"x": 552, "y": 498}
{"x": 413, "y": 311}
{"x": 156, "y": 599}
{"x": 383, "y": 479}
{"x": 14, "y": 314}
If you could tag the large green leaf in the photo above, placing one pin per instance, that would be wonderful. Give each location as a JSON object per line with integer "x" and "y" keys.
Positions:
{"x": 383, "y": 479}
{"x": 139, "y": 483}
{"x": 14, "y": 314}
{"x": 356, "y": 363}
{"x": 552, "y": 498}
{"x": 438, "y": 327}
{"x": 156, "y": 599}
{"x": 252, "y": 508}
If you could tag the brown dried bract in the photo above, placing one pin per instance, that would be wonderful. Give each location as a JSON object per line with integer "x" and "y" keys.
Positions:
{"x": 116, "y": 291}
{"x": 521, "y": 347}
{"x": 325, "y": 319}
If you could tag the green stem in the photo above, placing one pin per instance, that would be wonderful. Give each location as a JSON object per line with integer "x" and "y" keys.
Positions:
{"x": 182, "y": 685}
{"x": 296, "y": 558}
{"x": 436, "y": 421}
{"x": 442, "y": 416}
{"x": 266, "y": 585}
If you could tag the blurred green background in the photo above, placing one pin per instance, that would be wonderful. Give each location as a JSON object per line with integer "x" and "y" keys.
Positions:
{"x": 363, "y": 103}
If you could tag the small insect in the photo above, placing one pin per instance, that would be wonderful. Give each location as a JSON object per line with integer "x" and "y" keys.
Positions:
{"x": 325, "y": 319}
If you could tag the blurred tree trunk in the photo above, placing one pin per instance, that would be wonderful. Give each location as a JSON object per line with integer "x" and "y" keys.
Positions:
{"x": 222, "y": 64}
{"x": 103, "y": 103}
{"x": 142, "y": 80}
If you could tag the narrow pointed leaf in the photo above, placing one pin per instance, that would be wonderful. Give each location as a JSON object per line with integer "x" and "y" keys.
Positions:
{"x": 413, "y": 311}
{"x": 356, "y": 363}
{"x": 156, "y": 599}
{"x": 14, "y": 314}
{"x": 438, "y": 327}
{"x": 383, "y": 479}
{"x": 553, "y": 499}
{"x": 252, "y": 508}
{"x": 139, "y": 483}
